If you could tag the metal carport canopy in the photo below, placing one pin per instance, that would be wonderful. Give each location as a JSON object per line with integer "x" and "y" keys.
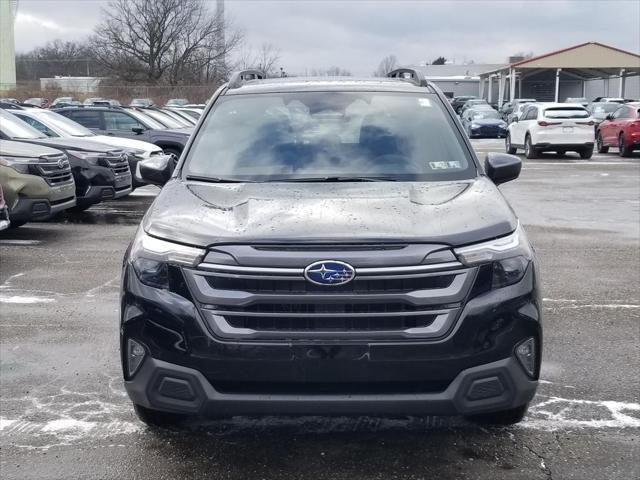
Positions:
{"x": 587, "y": 61}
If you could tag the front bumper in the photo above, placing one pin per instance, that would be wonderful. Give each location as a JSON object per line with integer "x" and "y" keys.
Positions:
{"x": 490, "y": 387}
{"x": 471, "y": 369}
{"x": 28, "y": 209}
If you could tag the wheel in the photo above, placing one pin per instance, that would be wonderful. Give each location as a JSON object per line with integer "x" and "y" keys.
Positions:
{"x": 601, "y": 147}
{"x": 504, "y": 417}
{"x": 529, "y": 150}
{"x": 16, "y": 223}
{"x": 508, "y": 147}
{"x": 586, "y": 153}
{"x": 623, "y": 150}
{"x": 157, "y": 418}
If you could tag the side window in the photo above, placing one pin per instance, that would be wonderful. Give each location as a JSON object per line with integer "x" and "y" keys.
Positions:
{"x": 37, "y": 125}
{"x": 532, "y": 113}
{"x": 619, "y": 113}
{"x": 525, "y": 113}
{"x": 89, "y": 119}
{"x": 120, "y": 121}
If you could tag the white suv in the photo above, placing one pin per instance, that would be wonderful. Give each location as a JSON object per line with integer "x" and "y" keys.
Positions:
{"x": 552, "y": 127}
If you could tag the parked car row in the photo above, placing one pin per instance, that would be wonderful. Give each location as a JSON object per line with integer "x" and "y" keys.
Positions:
{"x": 563, "y": 127}
{"x": 49, "y": 162}
{"x": 42, "y": 102}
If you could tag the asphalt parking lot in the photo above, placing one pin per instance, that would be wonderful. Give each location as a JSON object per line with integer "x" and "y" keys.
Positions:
{"x": 64, "y": 413}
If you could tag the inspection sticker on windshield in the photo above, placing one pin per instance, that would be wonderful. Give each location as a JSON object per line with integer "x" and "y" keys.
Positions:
{"x": 424, "y": 102}
{"x": 444, "y": 165}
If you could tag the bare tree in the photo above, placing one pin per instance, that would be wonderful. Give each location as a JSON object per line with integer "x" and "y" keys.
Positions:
{"x": 161, "y": 41}
{"x": 330, "y": 72}
{"x": 387, "y": 64}
{"x": 57, "y": 58}
{"x": 264, "y": 59}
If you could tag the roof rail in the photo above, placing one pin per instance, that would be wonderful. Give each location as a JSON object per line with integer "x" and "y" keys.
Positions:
{"x": 238, "y": 78}
{"x": 409, "y": 75}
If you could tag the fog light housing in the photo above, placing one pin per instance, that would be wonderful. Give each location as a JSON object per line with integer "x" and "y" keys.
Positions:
{"x": 135, "y": 355}
{"x": 526, "y": 355}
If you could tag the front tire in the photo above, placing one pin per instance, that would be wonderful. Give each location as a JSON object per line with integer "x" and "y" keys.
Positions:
{"x": 508, "y": 147}
{"x": 157, "y": 418}
{"x": 601, "y": 147}
{"x": 504, "y": 417}
{"x": 529, "y": 151}
{"x": 623, "y": 150}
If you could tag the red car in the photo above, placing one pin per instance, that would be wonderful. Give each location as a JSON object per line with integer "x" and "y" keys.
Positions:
{"x": 620, "y": 129}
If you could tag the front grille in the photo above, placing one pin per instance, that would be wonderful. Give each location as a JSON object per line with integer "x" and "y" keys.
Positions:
{"x": 117, "y": 162}
{"x": 55, "y": 169}
{"x": 356, "y": 286}
{"x": 328, "y": 388}
{"x": 399, "y": 291}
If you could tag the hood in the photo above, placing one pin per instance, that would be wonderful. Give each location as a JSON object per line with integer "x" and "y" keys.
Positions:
{"x": 489, "y": 121}
{"x": 120, "y": 142}
{"x": 72, "y": 143}
{"x": 23, "y": 149}
{"x": 454, "y": 213}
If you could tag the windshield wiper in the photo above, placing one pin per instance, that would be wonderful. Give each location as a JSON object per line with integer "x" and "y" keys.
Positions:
{"x": 337, "y": 179}
{"x": 200, "y": 178}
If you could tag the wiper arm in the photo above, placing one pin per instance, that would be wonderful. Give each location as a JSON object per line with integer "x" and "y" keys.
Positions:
{"x": 337, "y": 179}
{"x": 200, "y": 178}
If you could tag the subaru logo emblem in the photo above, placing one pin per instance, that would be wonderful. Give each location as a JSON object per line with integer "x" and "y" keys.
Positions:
{"x": 329, "y": 272}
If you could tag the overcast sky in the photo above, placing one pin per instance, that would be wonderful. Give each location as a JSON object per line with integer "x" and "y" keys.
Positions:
{"x": 355, "y": 35}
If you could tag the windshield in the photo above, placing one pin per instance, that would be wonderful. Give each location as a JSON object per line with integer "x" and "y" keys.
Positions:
{"x": 146, "y": 120}
{"x": 602, "y": 109}
{"x": 64, "y": 124}
{"x": 566, "y": 112}
{"x": 320, "y": 135}
{"x": 15, "y": 128}
{"x": 165, "y": 120}
{"x": 485, "y": 114}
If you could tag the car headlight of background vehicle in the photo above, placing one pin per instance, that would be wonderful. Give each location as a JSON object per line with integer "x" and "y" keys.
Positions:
{"x": 18, "y": 164}
{"x": 509, "y": 256}
{"x": 91, "y": 157}
{"x": 152, "y": 257}
{"x": 475, "y": 125}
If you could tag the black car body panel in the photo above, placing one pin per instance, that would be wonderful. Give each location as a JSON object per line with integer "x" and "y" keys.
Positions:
{"x": 220, "y": 315}
{"x": 358, "y": 211}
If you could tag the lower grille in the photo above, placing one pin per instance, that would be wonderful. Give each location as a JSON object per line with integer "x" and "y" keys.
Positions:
{"x": 330, "y": 323}
{"x": 329, "y": 388}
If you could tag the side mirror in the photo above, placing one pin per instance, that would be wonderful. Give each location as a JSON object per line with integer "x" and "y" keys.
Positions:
{"x": 157, "y": 171}
{"x": 609, "y": 116}
{"x": 501, "y": 167}
{"x": 137, "y": 130}
{"x": 514, "y": 119}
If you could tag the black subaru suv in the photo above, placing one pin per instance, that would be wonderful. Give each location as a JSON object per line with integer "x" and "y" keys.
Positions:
{"x": 101, "y": 172}
{"x": 330, "y": 246}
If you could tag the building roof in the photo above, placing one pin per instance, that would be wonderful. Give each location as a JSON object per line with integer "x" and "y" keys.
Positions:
{"x": 451, "y": 70}
{"x": 593, "y": 59}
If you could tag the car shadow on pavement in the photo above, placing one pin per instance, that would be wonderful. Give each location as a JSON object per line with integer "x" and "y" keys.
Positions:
{"x": 349, "y": 448}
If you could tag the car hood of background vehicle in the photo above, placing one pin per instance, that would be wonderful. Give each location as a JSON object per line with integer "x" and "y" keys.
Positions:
{"x": 454, "y": 213}
{"x": 70, "y": 143}
{"x": 23, "y": 149}
{"x": 120, "y": 142}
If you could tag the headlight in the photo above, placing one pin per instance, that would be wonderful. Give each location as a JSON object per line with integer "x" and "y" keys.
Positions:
{"x": 91, "y": 157}
{"x": 137, "y": 153}
{"x": 17, "y": 163}
{"x": 510, "y": 256}
{"x": 475, "y": 125}
{"x": 151, "y": 257}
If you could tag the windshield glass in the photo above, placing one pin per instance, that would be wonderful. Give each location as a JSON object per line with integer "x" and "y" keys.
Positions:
{"x": 64, "y": 124}
{"x": 13, "y": 127}
{"x": 485, "y": 114}
{"x": 602, "y": 109}
{"x": 296, "y": 135}
{"x": 165, "y": 120}
{"x": 146, "y": 120}
{"x": 566, "y": 112}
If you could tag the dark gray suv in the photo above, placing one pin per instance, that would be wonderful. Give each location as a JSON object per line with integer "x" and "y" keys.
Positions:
{"x": 330, "y": 246}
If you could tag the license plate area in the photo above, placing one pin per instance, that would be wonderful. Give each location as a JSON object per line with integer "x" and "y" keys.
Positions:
{"x": 567, "y": 129}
